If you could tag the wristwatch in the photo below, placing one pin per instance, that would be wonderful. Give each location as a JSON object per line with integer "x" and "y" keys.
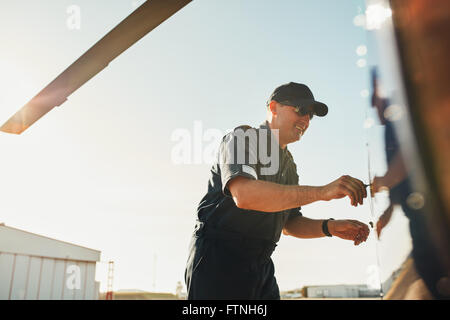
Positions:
{"x": 325, "y": 227}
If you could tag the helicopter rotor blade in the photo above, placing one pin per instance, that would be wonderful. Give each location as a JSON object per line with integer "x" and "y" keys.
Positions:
{"x": 140, "y": 22}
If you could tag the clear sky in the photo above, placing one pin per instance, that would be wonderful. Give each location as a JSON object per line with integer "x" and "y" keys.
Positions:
{"x": 99, "y": 171}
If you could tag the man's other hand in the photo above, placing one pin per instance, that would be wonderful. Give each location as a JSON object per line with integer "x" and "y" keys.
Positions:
{"x": 384, "y": 219}
{"x": 349, "y": 230}
{"x": 345, "y": 186}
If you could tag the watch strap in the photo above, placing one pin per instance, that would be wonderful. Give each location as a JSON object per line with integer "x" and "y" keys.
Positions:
{"x": 325, "y": 227}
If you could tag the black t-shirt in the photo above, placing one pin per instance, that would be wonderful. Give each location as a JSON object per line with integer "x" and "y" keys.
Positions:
{"x": 248, "y": 152}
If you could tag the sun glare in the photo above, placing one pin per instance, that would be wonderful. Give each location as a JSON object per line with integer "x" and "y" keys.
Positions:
{"x": 376, "y": 15}
{"x": 16, "y": 88}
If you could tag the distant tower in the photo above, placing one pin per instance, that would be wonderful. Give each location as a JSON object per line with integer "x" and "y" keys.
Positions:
{"x": 109, "y": 289}
{"x": 154, "y": 271}
{"x": 179, "y": 289}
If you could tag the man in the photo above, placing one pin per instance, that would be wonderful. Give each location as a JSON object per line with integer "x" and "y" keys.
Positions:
{"x": 250, "y": 201}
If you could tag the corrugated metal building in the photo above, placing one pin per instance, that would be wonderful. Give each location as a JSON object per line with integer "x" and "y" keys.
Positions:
{"x": 37, "y": 267}
{"x": 341, "y": 291}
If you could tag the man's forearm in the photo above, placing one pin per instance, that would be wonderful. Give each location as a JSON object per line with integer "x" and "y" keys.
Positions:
{"x": 272, "y": 197}
{"x": 302, "y": 227}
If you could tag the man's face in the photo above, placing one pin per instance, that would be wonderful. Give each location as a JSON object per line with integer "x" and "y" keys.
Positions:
{"x": 292, "y": 125}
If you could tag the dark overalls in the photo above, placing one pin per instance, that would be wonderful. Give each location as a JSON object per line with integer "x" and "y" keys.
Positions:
{"x": 230, "y": 250}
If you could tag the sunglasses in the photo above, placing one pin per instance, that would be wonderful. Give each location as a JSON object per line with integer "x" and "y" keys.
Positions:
{"x": 301, "y": 110}
{"x": 305, "y": 111}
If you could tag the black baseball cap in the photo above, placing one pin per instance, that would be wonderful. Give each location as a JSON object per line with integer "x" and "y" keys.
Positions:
{"x": 298, "y": 95}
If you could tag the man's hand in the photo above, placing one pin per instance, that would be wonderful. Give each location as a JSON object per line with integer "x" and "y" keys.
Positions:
{"x": 345, "y": 186}
{"x": 349, "y": 230}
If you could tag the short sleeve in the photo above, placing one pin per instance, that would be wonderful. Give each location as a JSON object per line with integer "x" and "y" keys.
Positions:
{"x": 295, "y": 212}
{"x": 238, "y": 156}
